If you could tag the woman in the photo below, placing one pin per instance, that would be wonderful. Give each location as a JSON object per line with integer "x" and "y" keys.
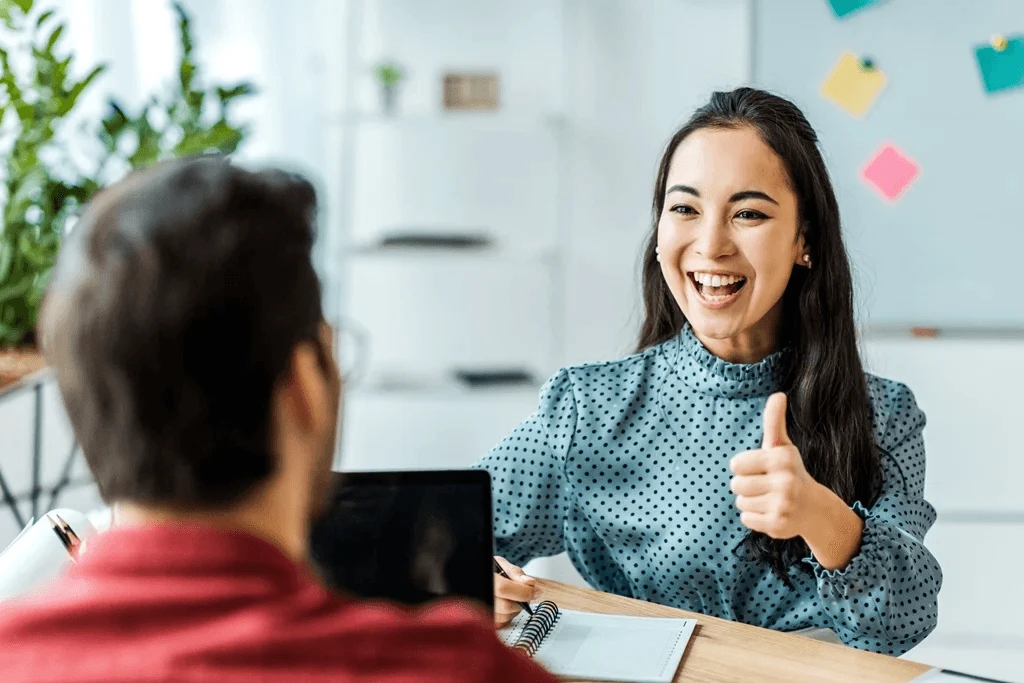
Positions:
{"x": 741, "y": 464}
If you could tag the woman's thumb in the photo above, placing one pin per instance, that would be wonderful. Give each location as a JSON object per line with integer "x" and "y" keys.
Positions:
{"x": 775, "y": 433}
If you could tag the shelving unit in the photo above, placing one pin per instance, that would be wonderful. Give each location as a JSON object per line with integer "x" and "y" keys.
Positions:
{"x": 426, "y": 173}
{"x": 467, "y": 175}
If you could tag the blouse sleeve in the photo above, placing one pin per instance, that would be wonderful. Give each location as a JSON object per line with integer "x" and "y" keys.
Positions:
{"x": 886, "y": 598}
{"x": 528, "y": 476}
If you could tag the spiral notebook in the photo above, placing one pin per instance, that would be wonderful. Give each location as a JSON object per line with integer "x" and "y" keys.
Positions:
{"x": 600, "y": 647}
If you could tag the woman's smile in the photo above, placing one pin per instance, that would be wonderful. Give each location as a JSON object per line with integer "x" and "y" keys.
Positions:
{"x": 716, "y": 289}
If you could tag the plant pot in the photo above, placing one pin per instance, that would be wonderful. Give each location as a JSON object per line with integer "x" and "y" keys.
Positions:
{"x": 387, "y": 99}
{"x": 17, "y": 362}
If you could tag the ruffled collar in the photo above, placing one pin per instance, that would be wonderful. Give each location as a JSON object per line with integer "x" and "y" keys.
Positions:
{"x": 702, "y": 370}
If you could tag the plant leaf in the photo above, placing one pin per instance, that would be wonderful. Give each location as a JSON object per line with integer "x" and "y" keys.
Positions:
{"x": 116, "y": 120}
{"x": 148, "y": 150}
{"x": 54, "y": 37}
{"x": 184, "y": 30}
{"x": 225, "y": 95}
{"x": 7, "y": 78}
{"x": 76, "y": 90}
{"x": 221, "y": 137}
{"x": 16, "y": 289}
{"x": 6, "y": 259}
{"x": 6, "y": 15}
{"x": 186, "y": 74}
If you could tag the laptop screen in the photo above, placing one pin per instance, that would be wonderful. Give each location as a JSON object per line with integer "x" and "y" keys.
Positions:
{"x": 411, "y": 537}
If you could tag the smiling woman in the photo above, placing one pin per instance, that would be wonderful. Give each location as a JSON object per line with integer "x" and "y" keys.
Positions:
{"x": 741, "y": 463}
{"x": 727, "y": 247}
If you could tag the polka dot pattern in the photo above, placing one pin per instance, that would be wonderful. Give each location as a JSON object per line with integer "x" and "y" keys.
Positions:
{"x": 625, "y": 467}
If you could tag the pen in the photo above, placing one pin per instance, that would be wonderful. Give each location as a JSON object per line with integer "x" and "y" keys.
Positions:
{"x": 64, "y": 532}
{"x": 972, "y": 677}
{"x": 501, "y": 572}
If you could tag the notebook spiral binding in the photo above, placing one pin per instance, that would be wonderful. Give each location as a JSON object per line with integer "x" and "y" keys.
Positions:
{"x": 544, "y": 618}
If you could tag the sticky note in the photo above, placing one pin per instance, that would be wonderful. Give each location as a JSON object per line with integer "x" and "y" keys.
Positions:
{"x": 844, "y": 7}
{"x": 852, "y": 86}
{"x": 1002, "y": 70}
{"x": 890, "y": 171}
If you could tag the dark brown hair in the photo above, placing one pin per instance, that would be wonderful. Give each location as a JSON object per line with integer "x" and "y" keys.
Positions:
{"x": 829, "y": 416}
{"x": 175, "y": 306}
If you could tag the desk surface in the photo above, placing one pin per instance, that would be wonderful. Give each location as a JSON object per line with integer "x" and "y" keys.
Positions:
{"x": 728, "y": 652}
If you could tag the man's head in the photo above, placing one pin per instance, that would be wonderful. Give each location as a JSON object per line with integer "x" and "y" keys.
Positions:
{"x": 185, "y": 329}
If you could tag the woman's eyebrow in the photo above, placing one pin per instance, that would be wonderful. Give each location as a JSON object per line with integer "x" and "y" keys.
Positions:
{"x": 683, "y": 188}
{"x": 739, "y": 196}
{"x": 751, "y": 194}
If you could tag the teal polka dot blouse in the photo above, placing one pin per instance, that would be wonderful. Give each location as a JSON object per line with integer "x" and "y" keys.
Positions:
{"x": 625, "y": 467}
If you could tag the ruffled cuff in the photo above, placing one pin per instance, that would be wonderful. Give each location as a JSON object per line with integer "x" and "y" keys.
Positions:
{"x": 857, "y": 576}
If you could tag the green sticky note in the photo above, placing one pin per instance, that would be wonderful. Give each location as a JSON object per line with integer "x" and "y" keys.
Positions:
{"x": 1002, "y": 70}
{"x": 844, "y": 7}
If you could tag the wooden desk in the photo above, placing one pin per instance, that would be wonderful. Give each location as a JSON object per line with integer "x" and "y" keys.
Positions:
{"x": 727, "y": 652}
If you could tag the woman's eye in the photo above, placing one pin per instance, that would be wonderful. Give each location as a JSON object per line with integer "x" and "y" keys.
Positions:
{"x": 750, "y": 215}
{"x": 683, "y": 209}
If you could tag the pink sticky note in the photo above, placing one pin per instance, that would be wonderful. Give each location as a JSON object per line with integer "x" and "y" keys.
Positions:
{"x": 890, "y": 172}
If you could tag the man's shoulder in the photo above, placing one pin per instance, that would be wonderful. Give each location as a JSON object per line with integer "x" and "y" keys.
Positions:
{"x": 312, "y": 638}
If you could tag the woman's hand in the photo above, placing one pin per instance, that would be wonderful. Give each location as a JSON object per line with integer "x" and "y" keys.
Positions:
{"x": 773, "y": 490}
{"x": 776, "y": 495}
{"x": 508, "y": 593}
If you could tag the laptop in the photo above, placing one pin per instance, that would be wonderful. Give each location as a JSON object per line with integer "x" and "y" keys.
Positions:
{"x": 411, "y": 537}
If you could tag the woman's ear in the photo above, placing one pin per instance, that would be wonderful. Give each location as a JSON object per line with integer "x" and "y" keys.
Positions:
{"x": 803, "y": 251}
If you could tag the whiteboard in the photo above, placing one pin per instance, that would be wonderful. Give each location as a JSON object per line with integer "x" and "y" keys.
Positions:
{"x": 947, "y": 253}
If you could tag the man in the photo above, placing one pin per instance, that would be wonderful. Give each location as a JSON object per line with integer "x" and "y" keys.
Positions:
{"x": 185, "y": 329}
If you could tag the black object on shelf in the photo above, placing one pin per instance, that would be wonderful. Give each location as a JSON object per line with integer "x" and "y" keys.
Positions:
{"x": 480, "y": 379}
{"x": 435, "y": 241}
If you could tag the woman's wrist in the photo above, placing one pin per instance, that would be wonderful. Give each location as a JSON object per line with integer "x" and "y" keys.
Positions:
{"x": 834, "y": 531}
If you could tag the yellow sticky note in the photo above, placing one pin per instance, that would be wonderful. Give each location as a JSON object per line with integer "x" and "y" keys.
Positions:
{"x": 852, "y": 86}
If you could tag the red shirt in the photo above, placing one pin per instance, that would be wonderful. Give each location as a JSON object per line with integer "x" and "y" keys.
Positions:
{"x": 197, "y": 604}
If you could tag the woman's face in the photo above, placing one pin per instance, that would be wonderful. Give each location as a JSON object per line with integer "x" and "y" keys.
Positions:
{"x": 728, "y": 239}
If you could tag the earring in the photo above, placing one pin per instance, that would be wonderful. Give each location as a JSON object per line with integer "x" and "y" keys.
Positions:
{"x": 657, "y": 254}
{"x": 807, "y": 260}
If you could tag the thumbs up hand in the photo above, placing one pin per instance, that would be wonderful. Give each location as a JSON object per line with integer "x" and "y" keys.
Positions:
{"x": 774, "y": 492}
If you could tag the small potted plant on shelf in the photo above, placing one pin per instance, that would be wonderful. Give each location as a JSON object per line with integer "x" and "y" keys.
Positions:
{"x": 43, "y": 188}
{"x": 389, "y": 75}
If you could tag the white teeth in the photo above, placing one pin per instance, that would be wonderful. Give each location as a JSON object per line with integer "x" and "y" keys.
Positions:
{"x": 716, "y": 280}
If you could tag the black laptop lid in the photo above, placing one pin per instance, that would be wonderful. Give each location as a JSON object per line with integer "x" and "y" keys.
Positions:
{"x": 412, "y": 537}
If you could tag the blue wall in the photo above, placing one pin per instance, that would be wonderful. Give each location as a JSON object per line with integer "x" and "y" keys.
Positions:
{"x": 950, "y": 251}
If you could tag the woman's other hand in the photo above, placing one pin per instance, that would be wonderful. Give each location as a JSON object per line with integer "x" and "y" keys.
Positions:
{"x": 508, "y": 593}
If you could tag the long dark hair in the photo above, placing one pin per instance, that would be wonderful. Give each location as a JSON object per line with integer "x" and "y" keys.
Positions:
{"x": 829, "y": 416}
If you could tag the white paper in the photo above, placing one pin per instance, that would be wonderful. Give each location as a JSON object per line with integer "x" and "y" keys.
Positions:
{"x": 604, "y": 647}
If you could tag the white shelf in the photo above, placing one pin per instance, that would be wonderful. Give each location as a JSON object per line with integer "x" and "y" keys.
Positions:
{"x": 521, "y": 41}
{"x": 497, "y": 121}
{"x": 496, "y": 254}
{"x": 435, "y": 314}
{"x": 500, "y": 182}
{"x": 443, "y": 391}
{"x": 401, "y": 430}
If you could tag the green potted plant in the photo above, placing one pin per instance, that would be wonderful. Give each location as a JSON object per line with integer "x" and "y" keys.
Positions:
{"x": 191, "y": 118}
{"x": 389, "y": 75}
{"x": 42, "y": 189}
